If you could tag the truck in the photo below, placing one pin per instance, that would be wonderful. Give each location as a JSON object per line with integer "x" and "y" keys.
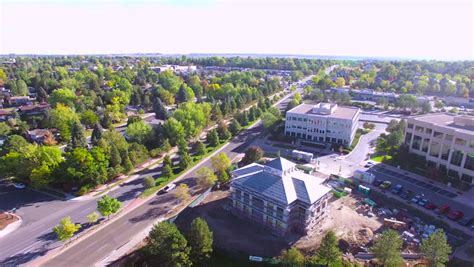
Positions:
{"x": 301, "y": 155}
{"x": 365, "y": 177}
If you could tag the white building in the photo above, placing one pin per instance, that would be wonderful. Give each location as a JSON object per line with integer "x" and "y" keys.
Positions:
{"x": 446, "y": 141}
{"x": 323, "y": 123}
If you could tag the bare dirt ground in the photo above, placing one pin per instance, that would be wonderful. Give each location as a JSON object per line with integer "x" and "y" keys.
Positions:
{"x": 232, "y": 233}
{"x": 6, "y": 219}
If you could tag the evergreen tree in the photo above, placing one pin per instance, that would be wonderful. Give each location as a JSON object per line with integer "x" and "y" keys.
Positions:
{"x": 213, "y": 138}
{"x": 106, "y": 121}
{"x": 160, "y": 110}
{"x": 387, "y": 248}
{"x": 243, "y": 119}
{"x": 223, "y": 132}
{"x": 216, "y": 113}
{"x": 201, "y": 148}
{"x": 166, "y": 146}
{"x": 436, "y": 249}
{"x": 292, "y": 258}
{"x": 185, "y": 161}
{"x": 115, "y": 158}
{"x": 167, "y": 247}
{"x": 78, "y": 138}
{"x": 235, "y": 127}
{"x": 96, "y": 134}
{"x": 329, "y": 251}
{"x": 42, "y": 96}
{"x": 200, "y": 241}
{"x": 182, "y": 146}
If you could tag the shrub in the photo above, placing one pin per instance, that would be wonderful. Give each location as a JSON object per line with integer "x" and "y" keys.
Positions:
{"x": 149, "y": 182}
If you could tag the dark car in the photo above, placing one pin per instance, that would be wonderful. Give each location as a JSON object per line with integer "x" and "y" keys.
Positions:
{"x": 455, "y": 215}
{"x": 397, "y": 189}
{"x": 406, "y": 194}
{"x": 377, "y": 182}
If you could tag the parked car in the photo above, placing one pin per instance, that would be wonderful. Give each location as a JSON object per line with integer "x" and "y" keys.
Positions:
{"x": 406, "y": 194}
{"x": 415, "y": 199}
{"x": 386, "y": 185}
{"x": 442, "y": 209}
{"x": 397, "y": 189}
{"x": 377, "y": 182}
{"x": 430, "y": 206}
{"x": 455, "y": 215}
{"x": 422, "y": 202}
{"x": 368, "y": 165}
{"x": 19, "y": 185}
{"x": 466, "y": 221}
{"x": 169, "y": 187}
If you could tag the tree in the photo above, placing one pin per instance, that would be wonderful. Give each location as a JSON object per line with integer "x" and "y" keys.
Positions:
{"x": 89, "y": 118}
{"x": 96, "y": 134}
{"x": 149, "y": 182}
{"x": 78, "y": 138}
{"x": 200, "y": 241}
{"x": 182, "y": 192}
{"x": 268, "y": 120}
{"x": 185, "y": 161}
{"x": 4, "y": 129}
{"x": 65, "y": 229}
{"x": 64, "y": 96}
{"x": 329, "y": 251}
{"x": 213, "y": 138}
{"x": 108, "y": 205}
{"x": 223, "y": 131}
{"x": 426, "y": 107}
{"x": 201, "y": 148}
{"x": 292, "y": 258}
{"x": 21, "y": 89}
{"x": 173, "y": 130}
{"x": 49, "y": 139}
{"x": 221, "y": 163}
{"x": 436, "y": 249}
{"x": 340, "y": 82}
{"x": 167, "y": 247}
{"x": 185, "y": 94}
{"x": 166, "y": 146}
{"x": 62, "y": 117}
{"x": 92, "y": 217}
{"x": 205, "y": 177}
{"x": 252, "y": 154}
{"x": 139, "y": 132}
{"x": 235, "y": 127}
{"x": 160, "y": 110}
{"x": 387, "y": 249}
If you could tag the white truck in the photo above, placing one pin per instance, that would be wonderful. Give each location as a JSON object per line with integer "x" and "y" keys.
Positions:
{"x": 301, "y": 155}
{"x": 363, "y": 176}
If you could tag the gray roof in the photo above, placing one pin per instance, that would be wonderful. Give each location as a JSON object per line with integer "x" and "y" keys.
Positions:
{"x": 285, "y": 188}
{"x": 446, "y": 120}
{"x": 341, "y": 112}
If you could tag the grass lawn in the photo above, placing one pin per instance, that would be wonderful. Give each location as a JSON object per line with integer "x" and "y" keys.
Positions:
{"x": 357, "y": 136}
{"x": 381, "y": 158}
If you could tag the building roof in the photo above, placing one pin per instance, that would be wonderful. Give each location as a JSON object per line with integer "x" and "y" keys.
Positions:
{"x": 281, "y": 181}
{"x": 32, "y": 107}
{"x": 460, "y": 123}
{"x": 340, "y": 112}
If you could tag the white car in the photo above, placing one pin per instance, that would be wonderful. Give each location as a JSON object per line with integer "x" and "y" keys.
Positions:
{"x": 19, "y": 185}
{"x": 169, "y": 187}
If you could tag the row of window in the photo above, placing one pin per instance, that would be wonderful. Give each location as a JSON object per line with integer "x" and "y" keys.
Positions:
{"x": 440, "y": 135}
{"x": 318, "y": 122}
{"x": 318, "y": 138}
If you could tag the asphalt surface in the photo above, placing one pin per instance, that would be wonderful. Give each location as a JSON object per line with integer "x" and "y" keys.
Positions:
{"x": 98, "y": 246}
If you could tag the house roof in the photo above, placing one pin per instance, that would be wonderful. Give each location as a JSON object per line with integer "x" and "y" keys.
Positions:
{"x": 32, "y": 107}
{"x": 288, "y": 186}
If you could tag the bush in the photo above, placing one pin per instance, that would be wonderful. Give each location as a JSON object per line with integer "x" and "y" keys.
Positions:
{"x": 84, "y": 190}
{"x": 149, "y": 182}
{"x": 156, "y": 152}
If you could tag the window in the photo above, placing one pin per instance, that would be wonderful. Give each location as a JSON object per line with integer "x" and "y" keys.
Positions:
{"x": 416, "y": 142}
{"x": 419, "y": 129}
{"x": 453, "y": 173}
{"x": 467, "y": 178}
{"x": 456, "y": 157}
{"x": 449, "y": 137}
{"x": 438, "y": 135}
{"x": 471, "y": 143}
{"x": 469, "y": 162}
{"x": 426, "y": 143}
{"x": 445, "y": 152}
{"x": 460, "y": 142}
{"x": 428, "y": 131}
{"x": 434, "y": 150}
{"x": 410, "y": 126}
{"x": 270, "y": 208}
{"x": 408, "y": 138}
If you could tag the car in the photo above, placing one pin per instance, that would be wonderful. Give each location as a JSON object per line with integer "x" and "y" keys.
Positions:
{"x": 385, "y": 185}
{"x": 430, "y": 206}
{"x": 455, "y": 215}
{"x": 422, "y": 202}
{"x": 442, "y": 209}
{"x": 19, "y": 185}
{"x": 377, "y": 182}
{"x": 169, "y": 187}
{"x": 466, "y": 221}
{"x": 406, "y": 194}
{"x": 397, "y": 189}
{"x": 368, "y": 165}
{"x": 415, "y": 199}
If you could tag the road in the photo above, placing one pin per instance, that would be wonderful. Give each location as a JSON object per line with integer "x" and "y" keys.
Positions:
{"x": 96, "y": 247}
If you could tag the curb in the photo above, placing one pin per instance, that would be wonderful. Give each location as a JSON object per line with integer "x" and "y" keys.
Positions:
{"x": 12, "y": 226}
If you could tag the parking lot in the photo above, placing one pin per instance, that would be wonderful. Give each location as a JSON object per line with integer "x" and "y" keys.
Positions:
{"x": 430, "y": 192}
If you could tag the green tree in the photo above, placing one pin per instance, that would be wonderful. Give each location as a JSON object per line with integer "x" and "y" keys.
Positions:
{"x": 173, "y": 130}
{"x": 329, "y": 251}
{"x": 200, "y": 241}
{"x": 185, "y": 161}
{"x": 96, "y": 134}
{"x": 166, "y": 146}
{"x": 268, "y": 120}
{"x": 149, "y": 182}
{"x": 139, "y": 132}
{"x": 64, "y": 96}
{"x": 387, "y": 248}
{"x": 108, "y": 205}
{"x": 65, "y": 229}
{"x": 4, "y": 129}
{"x": 252, "y": 154}
{"x": 221, "y": 164}
{"x": 426, "y": 107}
{"x": 21, "y": 89}
{"x": 235, "y": 127}
{"x": 223, "y": 131}
{"x": 436, "y": 249}
{"x": 292, "y": 258}
{"x": 340, "y": 82}
{"x": 213, "y": 138}
{"x": 185, "y": 94}
{"x": 182, "y": 192}
{"x": 201, "y": 148}
{"x": 62, "y": 118}
{"x": 78, "y": 137}
{"x": 167, "y": 247}
{"x": 205, "y": 177}
{"x": 89, "y": 118}
{"x": 160, "y": 110}
{"x": 92, "y": 217}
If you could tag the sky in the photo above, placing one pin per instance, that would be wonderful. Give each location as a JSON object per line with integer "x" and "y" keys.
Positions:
{"x": 420, "y": 29}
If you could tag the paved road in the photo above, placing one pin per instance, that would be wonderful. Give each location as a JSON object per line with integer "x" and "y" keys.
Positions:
{"x": 97, "y": 246}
